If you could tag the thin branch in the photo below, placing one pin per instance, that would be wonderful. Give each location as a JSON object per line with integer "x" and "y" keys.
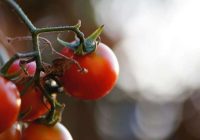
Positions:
{"x": 81, "y": 69}
{"x": 74, "y": 28}
{"x": 22, "y": 15}
{"x": 15, "y": 57}
{"x": 53, "y": 116}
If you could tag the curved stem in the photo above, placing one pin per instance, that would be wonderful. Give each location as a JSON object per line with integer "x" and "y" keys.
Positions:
{"x": 36, "y": 31}
{"x": 15, "y": 57}
{"x": 55, "y": 112}
{"x": 34, "y": 34}
{"x": 74, "y": 28}
{"x": 23, "y": 16}
{"x": 56, "y": 109}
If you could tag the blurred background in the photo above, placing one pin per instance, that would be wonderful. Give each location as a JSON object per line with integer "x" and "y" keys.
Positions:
{"x": 157, "y": 43}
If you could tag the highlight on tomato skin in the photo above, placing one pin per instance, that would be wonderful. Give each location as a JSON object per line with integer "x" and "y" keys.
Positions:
{"x": 43, "y": 132}
{"x": 10, "y": 103}
{"x": 12, "y": 133}
{"x": 103, "y": 70}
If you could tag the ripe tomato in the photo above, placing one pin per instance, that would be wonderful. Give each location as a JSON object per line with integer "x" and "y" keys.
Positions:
{"x": 33, "y": 104}
{"x": 10, "y": 103}
{"x": 15, "y": 67}
{"x": 43, "y": 132}
{"x": 12, "y": 133}
{"x": 103, "y": 69}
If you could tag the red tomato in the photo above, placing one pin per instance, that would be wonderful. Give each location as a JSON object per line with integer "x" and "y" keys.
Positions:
{"x": 43, "y": 132}
{"x": 9, "y": 103}
{"x": 12, "y": 133}
{"x": 33, "y": 104}
{"x": 103, "y": 69}
{"x": 15, "y": 67}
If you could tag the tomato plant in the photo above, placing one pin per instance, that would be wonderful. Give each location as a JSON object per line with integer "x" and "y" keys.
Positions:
{"x": 33, "y": 104}
{"x": 86, "y": 68}
{"x": 12, "y": 133}
{"x": 102, "y": 67}
{"x": 10, "y": 103}
{"x": 43, "y": 132}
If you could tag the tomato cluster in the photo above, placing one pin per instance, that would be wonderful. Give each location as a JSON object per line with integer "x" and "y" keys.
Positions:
{"x": 25, "y": 108}
{"x": 22, "y": 104}
{"x": 86, "y": 70}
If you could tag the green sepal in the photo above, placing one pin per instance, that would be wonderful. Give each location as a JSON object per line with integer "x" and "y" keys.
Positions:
{"x": 95, "y": 34}
{"x": 88, "y": 46}
{"x": 73, "y": 45}
{"x": 90, "y": 42}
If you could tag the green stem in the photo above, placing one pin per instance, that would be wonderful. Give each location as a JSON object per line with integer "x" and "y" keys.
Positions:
{"x": 55, "y": 110}
{"x": 36, "y": 31}
{"x": 74, "y": 28}
{"x": 15, "y": 57}
{"x": 36, "y": 48}
{"x": 22, "y": 15}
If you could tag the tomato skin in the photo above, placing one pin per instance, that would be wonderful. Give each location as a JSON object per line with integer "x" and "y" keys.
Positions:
{"x": 33, "y": 104}
{"x": 32, "y": 101}
{"x": 12, "y": 133}
{"x": 103, "y": 69}
{"x": 43, "y": 132}
{"x": 10, "y": 103}
{"x": 15, "y": 67}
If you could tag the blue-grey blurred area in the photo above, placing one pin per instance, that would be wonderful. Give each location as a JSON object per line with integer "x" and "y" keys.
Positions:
{"x": 157, "y": 43}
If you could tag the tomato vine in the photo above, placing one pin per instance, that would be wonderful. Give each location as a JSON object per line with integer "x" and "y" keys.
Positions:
{"x": 36, "y": 54}
{"x": 88, "y": 69}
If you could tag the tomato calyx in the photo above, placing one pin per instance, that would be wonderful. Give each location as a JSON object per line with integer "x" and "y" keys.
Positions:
{"x": 91, "y": 41}
{"x": 54, "y": 115}
{"x": 87, "y": 46}
{"x": 50, "y": 88}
